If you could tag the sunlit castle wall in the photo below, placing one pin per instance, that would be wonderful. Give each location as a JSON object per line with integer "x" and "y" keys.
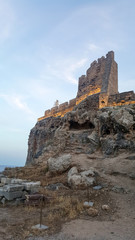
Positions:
{"x": 101, "y": 85}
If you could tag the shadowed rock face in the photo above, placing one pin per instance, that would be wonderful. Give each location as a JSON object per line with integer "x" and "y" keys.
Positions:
{"x": 83, "y": 130}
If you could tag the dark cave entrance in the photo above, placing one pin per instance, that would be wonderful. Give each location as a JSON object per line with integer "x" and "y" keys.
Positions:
{"x": 77, "y": 126}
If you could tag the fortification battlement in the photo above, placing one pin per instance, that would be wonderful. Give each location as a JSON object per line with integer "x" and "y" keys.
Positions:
{"x": 102, "y": 75}
{"x": 101, "y": 83}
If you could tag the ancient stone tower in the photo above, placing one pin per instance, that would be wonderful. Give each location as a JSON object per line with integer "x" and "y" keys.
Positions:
{"x": 101, "y": 84}
{"x": 101, "y": 77}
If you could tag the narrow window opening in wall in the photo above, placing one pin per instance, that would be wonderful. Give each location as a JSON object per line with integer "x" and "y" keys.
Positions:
{"x": 77, "y": 126}
{"x": 102, "y": 102}
{"x": 133, "y": 126}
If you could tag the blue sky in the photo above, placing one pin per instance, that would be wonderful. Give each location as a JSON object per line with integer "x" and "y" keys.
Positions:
{"x": 45, "y": 46}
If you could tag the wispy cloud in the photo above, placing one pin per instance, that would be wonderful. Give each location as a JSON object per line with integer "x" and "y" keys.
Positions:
{"x": 18, "y": 102}
{"x": 93, "y": 47}
{"x": 64, "y": 69}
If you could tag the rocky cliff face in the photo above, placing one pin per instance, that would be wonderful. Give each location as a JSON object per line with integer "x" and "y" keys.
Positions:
{"x": 84, "y": 130}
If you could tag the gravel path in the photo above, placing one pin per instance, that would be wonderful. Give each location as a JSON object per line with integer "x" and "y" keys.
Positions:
{"x": 95, "y": 230}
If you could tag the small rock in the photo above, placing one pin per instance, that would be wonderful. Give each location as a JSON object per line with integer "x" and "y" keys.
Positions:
{"x": 131, "y": 157}
{"x": 56, "y": 186}
{"x": 98, "y": 187}
{"x": 19, "y": 201}
{"x": 132, "y": 176}
{"x": 105, "y": 207}
{"x": 72, "y": 171}
{"x": 75, "y": 181}
{"x": 3, "y": 201}
{"x": 93, "y": 212}
{"x": 118, "y": 189}
{"x": 89, "y": 173}
{"x": 40, "y": 227}
{"x": 1, "y": 184}
{"x": 88, "y": 204}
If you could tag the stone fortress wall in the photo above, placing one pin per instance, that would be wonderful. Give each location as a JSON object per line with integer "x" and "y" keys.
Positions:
{"x": 101, "y": 85}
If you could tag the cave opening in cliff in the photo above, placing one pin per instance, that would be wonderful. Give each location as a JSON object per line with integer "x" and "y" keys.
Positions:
{"x": 77, "y": 126}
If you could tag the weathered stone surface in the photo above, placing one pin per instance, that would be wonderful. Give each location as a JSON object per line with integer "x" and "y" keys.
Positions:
{"x": 94, "y": 138}
{"x": 82, "y": 179}
{"x": 72, "y": 171}
{"x": 88, "y": 204}
{"x": 32, "y": 186}
{"x": 39, "y": 138}
{"x": 119, "y": 189}
{"x": 59, "y": 164}
{"x": 75, "y": 181}
{"x": 3, "y": 201}
{"x": 84, "y": 131}
{"x": 1, "y": 192}
{"x": 56, "y": 186}
{"x": 105, "y": 207}
{"x": 123, "y": 117}
{"x": 131, "y": 157}
{"x": 1, "y": 176}
{"x": 5, "y": 180}
{"x": 98, "y": 187}
{"x": 13, "y": 191}
{"x": 13, "y": 187}
{"x": 89, "y": 173}
{"x": 12, "y": 195}
{"x": 111, "y": 146}
{"x": 16, "y": 181}
{"x": 132, "y": 176}
{"x": 93, "y": 212}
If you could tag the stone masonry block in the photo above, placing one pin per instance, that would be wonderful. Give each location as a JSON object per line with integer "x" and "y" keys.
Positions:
{"x": 13, "y": 195}
{"x": 1, "y": 176}
{"x": 5, "y": 180}
{"x": 32, "y": 186}
{"x": 17, "y": 181}
{"x": 1, "y": 192}
{"x": 13, "y": 187}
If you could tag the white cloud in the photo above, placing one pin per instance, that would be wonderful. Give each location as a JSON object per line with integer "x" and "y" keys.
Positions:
{"x": 17, "y": 102}
{"x": 63, "y": 69}
{"x": 93, "y": 47}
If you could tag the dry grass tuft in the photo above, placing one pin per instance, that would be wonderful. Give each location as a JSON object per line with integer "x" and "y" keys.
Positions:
{"x": 65, "y": 208}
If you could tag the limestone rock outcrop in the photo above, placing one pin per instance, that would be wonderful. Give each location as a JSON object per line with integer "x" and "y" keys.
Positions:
{"x": 81, "y": 179}
{"x": 60, "y": 164}
{"x": 83, "y": 130}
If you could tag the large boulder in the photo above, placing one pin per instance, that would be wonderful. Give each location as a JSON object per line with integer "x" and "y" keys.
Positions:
{"x": 83, "y": 179}
{"x": 111, "y": 146}
{"x": 60, "y": 164}
{"x": 123, "y": 117}
{"x": 116, "y": 120}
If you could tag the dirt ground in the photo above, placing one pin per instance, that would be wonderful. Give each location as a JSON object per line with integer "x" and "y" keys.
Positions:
{"x": 65, "y": 215}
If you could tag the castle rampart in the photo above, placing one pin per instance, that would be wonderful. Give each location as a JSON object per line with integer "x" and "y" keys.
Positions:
{"x": 101, "y": 85}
